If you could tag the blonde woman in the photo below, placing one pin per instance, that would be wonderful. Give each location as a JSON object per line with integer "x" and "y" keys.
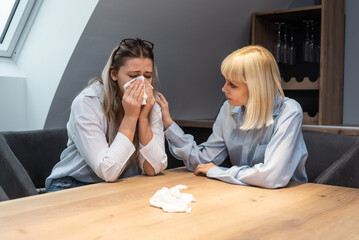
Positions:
{"x": 257, "y": 127}
{"x": 111, "y": 133}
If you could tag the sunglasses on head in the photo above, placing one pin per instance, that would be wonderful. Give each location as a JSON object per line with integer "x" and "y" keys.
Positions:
{"x": 130, "y": 42}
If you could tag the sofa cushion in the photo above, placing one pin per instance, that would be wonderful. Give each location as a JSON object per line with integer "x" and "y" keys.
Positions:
{"x": 344, "y": 171}
{"x": 324, "y": 149}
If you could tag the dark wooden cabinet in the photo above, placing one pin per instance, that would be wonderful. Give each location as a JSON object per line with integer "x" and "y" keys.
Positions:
{"x": 317, "y": 86}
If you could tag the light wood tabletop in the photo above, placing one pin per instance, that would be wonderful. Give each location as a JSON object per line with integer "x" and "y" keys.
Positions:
{"x": 122, "y": 210}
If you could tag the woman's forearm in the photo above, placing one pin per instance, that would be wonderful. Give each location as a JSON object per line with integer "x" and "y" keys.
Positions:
{"x": 145, "y": 136}
{"x": 128, "y": 127}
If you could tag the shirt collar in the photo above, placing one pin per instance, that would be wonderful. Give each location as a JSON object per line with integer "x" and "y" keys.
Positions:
{"x": 95, "y": 90}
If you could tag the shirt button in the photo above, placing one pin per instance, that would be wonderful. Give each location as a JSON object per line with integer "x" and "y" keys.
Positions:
{"x": 245, "y": 147}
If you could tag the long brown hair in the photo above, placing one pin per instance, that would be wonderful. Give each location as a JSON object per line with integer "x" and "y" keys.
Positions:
{"x": 112, "y": 101}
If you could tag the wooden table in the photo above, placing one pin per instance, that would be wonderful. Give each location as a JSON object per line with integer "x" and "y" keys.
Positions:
{"x": 224, "y": 211}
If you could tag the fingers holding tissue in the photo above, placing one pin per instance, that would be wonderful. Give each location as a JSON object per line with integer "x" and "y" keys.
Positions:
{"x": 142, "y": 78}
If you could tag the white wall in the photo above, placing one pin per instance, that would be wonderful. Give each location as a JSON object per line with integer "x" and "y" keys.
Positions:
{"x": 41, "y": 63}
{"x": 12, "y": 98}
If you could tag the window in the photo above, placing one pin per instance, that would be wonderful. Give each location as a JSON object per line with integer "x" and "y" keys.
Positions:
{"x": 13, "y": 17}
{"x": 6, "y": 14}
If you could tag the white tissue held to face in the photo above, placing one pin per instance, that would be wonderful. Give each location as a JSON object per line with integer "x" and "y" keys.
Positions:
{"x": 172, "y": 200}
{"x": 142, "y": 78}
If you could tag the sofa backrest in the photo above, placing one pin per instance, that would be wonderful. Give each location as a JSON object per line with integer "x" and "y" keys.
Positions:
{"x": 324, "y": 149}
{"x": 38, "y": 151}
{"x": 14, "y": 179}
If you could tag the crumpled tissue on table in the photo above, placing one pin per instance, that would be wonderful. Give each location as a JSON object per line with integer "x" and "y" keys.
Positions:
{"x": 171, "y": 200}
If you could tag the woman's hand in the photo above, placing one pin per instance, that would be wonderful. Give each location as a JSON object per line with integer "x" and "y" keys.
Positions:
{"x": 202, "y": 169}
{"x": 132, "y": 98}
{"x": 146, "y": 109}
{"x": 166, "y": 117}
{"x": 131, "y": 102}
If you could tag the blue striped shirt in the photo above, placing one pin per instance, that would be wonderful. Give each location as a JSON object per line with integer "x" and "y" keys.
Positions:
{"x": 267, "y": 157}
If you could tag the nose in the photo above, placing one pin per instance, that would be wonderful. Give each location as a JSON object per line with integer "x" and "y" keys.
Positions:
{"x": 224, "y": 88}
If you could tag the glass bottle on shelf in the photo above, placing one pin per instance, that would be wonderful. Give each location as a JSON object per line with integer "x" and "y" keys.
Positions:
{"x": 306, "y": 43}
{"x": 291, "y": 48}
{"x": 317, "y": 47}
{"x": 284, "y": 49}
{"x": 312, "y": 43}
{"x": 278, "y": 46}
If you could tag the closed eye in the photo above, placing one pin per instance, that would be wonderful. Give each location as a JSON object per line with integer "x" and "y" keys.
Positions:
{"x": 231, "y": 84}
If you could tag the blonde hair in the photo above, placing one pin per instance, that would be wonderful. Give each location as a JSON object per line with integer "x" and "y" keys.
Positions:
{"x": 256, "y": 67}
{"x": 112, "y": 101}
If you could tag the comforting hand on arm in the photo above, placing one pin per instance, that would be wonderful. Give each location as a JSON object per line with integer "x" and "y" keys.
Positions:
{"x": 283, "y": 153}
{"x": 166, "y": 117}
{"x": 185, "y": 148}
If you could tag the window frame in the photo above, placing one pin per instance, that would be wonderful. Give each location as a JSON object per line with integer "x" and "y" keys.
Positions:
{"x": 16, "y": 27}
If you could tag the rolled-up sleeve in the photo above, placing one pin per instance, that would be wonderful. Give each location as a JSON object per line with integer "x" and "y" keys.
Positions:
{"x": 106, "y": 161}
{"x": 154, "y": 152}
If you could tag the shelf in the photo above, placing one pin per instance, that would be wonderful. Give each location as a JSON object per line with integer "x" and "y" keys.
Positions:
{"x": 310, "y": 120}
{"x": 325, "y": 95}
{"x": 264, "y": 30}
{"x": 293, "y": 14}
{"x": 306, "y": 84}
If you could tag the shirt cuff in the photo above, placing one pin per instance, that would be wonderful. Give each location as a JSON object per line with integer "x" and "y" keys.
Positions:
{"x": 121, "y": 148}
{"x": 216, "y": 172}
{"x": 224, "y": 174}
{"x": 154, "y": 156}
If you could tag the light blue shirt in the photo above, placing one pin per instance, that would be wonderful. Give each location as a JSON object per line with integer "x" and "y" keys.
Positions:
{"x": 267, "y": 157}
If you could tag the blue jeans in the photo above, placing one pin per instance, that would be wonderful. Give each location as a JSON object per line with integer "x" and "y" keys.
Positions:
{"x": 64, "y": 183}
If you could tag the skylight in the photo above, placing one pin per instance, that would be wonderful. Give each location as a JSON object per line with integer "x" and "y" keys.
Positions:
{"x": 7, "y": 10}
{"x": 13, "y": 17}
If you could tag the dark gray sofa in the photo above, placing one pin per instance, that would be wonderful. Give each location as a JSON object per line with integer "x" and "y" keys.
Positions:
{"x": 27, "y": 158}
{"x": 332, "y": 158}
